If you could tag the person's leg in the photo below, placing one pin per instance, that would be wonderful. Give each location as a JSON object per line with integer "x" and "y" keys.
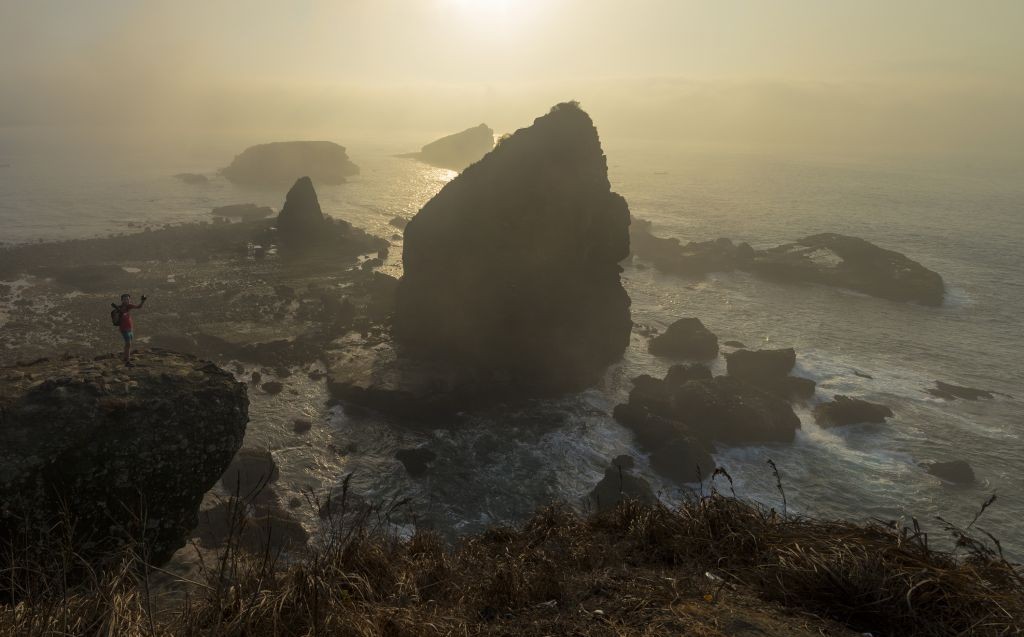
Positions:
{"x": 127, "y": 347}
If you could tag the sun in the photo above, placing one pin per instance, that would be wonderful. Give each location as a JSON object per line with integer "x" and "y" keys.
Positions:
{"x": 490, "y": 11}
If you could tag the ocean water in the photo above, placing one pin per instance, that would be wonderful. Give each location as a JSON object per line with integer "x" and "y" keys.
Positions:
{"x": 964, "y": 223}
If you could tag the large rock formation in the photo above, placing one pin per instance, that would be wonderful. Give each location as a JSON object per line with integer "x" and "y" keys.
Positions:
{"x": 300, "y": 217}
{"x": 457, "y": 151}
{"x": 513, "y": 266}
{"x": 769, "y": 369}
{"x": 829, "y": 259}
{"x": 281, "y": 163}
{"x": 120, "y": 453}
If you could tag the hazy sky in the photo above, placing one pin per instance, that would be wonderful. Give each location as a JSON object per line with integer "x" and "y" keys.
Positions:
{"x": 917, "y": 76}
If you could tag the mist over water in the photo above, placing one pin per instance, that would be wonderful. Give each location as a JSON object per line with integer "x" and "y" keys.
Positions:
{"x": 956, "y": 220}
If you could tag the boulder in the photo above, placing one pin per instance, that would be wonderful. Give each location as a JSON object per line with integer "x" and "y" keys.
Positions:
{"x": 458, "y": 150}
{"x": 955, "y": 471}
{"x": 618, "y": 484}
{"x": 733, "y": 412}
{"x": 513, "y": 266}
{"x": 243, "y": 211}
{"x": 769, "y": 369}
{"x": 843, "y": 410}
{"x": 686, "y": 338}
{"x": 120, "y": 453}
{"x": 952, "y": 392}
{"x": 853, "y": 263}
{"x": 280, "y": 163}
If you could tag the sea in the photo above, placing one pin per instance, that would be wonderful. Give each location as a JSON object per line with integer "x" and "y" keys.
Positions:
{"x": 959, "y": 218}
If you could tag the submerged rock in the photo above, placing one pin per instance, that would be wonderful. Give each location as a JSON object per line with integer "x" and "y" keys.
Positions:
{"x": 127, "y": 453}
{"x": 280, "y": 163}
{"x": 843, "y": 410}
{"x": 513, "y": 265}
{"x": 459, "y": 150}
{"x": 952, "y": 392}
{"x": 955, "y": 471}
{"x": 686, "y": 338}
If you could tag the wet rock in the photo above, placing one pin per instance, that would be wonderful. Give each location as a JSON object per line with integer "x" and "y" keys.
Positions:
{"x": 618, "y": 484}
{"x": 301, "y": 425}
{"x": 281, "y": 163}
{"x": 736, "y": 344}
{"x": 679, "y": 374}
{"x": 863, "y": 375}
{"x": 686, "y": 338}
{"x": 243, "y": 211}
{"x": 843, "y": 410}
{"x": 675, "y": 452}
{"x": 733, "y": 412}
{"x": 272, "y": 387}
{"x": 115, "y": 458}
{"x": 399, "y": 222}
{"x": 250, "y": 471}
{"x": 769, "y": 369}
{"x": 955, "y": 471}
{"x": 952, "y": 392}
{"x": 416, "y": 461}
{"x": 513, "y": 265}
{"x": 459, "y": 150}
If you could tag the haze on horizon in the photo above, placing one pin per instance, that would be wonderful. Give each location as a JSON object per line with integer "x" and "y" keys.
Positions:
{"x": 871, "y": 78}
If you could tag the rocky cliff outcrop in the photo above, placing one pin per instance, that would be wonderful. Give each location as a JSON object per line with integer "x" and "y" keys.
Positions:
{"x": 513, "y": 266}
{"x": 301, "y": 216}
{"x": 122, "y": 454}
{"x": 459, "y": 150}
{"x": 281, "y": 163}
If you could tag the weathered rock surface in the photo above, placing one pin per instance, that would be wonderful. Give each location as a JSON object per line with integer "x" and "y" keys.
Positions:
{"x": 513, "y": 266}
{"x": 955, "y": 471}
{"x": 243, "y": 211}
{"x": 828, "y": 258}
{"x": 686, "y": 338}
{"x": 458, "y": 150}
{"x": 769, "y": 369}
{"x": 953, "y": 392}
{"x": 129, "y": 451}
{"x": 618, "y": 484}
{"x": 281, "y": 163}
{"x": 843, "y": 410}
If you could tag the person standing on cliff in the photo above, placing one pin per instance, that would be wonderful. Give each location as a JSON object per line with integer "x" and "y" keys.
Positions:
{"x": 126, "y": 326}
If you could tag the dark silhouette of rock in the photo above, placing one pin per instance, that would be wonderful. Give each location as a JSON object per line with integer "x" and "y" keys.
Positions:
{"x": 955, "y": 471}
{"x": 300, "y": 217}
{"x": 416, "y": 461}
{"x": 736, "y": 344}
{"x": 459, "y": 150}
{"x": 769, "y": 369}
{"x": 243, "y": 211}
{"x": 843, "y": 410}
{"x": 272, "y": 387}
{"x": 679, "y": 374}
{"x": 127, "y": 452}
{"x": 302, "y": 425}
{"x": 280, "y": 163}
{"x": 733, "y": 412}
{"x": 952, "y": 392}
{"x": 620, "y": 484}
{"x": 686, "y": 338}
{"x": 512, "y": 267}
{"x": 193, "y": 179}
{"x": 675, "y": 452}
{"x": 694, "y": 258}
{"x": 251, "y": 471}
{"x": 853, "y": 263}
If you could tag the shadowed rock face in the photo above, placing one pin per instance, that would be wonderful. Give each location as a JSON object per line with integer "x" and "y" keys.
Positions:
{"x": 301, "y": 215}
{"x": 129, "y": 451}
{"x": 513, "y": 266}
{"x": 281, "y": 163}
{"x": 457, "y": 151}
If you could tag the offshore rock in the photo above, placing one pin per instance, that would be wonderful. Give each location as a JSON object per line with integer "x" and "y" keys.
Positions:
{"x": 301, "y": 216}
{"x": 128, "y": 451}
{"x": 769, "y": 369}
{"x": 280, "y": 163}
{"x": 513, "y": 265}
{"x": 955, "y": 471}
{"x": 949, "y": 391}
{"x": 686, "y": 338}
{"x": 459, "y": 150}
{"x": 694, "y": 259}
{"x": 843, "y": 410}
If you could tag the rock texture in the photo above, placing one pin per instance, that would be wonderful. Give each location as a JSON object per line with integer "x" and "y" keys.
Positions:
{"x": 686, "y": 338}
{"x": 281, "y": 163}
{"x": 843, "y": 410}
{"x": 513, "y": 266}
{"x": 827, "y": 258}
{"x": 459, "y": 150}
{"x": 129, "y": 451}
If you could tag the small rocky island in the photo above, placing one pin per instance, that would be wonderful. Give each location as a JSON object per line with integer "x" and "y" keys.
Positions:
{"x": 458, "y": 150}
{"x": 828, "y": 259}
{"x": 280, "y": 163}
{"x": 128, "y": 453}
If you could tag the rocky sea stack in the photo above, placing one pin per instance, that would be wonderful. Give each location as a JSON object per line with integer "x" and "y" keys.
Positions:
{"x": 281, "y": 163}
{"x": 123, "y": 454}
{"x": 459, "y": 150}
{"x": 513, "y": 266}
{"x": 301, "y": 216}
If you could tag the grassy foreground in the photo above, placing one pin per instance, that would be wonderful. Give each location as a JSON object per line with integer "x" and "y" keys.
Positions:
{"x": 715, "y": 566}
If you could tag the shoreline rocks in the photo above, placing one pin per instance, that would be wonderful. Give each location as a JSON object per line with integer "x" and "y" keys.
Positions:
{"x": 769, "y": 369}
{"x": 129, "y": 451}
{"x": 843, "y": 410}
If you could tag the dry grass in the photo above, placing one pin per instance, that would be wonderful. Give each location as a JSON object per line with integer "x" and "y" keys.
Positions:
{"x": 637, "y": 570}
